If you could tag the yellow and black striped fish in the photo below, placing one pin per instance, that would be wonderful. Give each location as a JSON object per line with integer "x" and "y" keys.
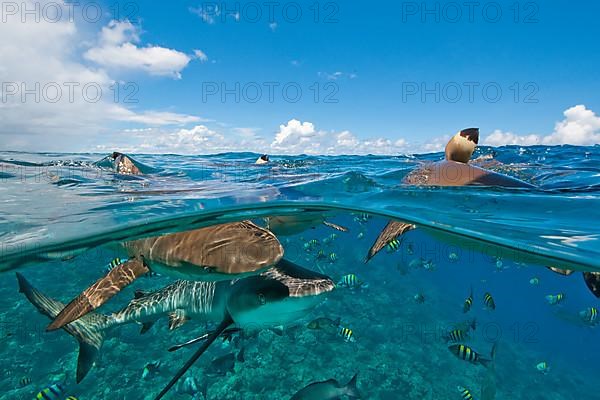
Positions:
{"x": 346, "y": 333}
{"x": 52, "y": 392}
{"x": 468, "y": 302}
{"x": 24, "y": 381}
{"x": 321, "y": 254}
{"x": 333, "y": 257}
{"x": 488, "y": 300}
{"x": 465, "y": 393}
{"x": 350, "y": 281}
{"x": 72, "y": 398}
{"x": 590, "y": 315}
{"x": 393, "y": 245}
{"x": 115, "y": 261}
{"x": 468, "y": 354}
{"x": 456, "y": 335}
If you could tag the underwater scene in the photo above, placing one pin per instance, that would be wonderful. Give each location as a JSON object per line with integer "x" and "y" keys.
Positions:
{"x": 301, "y": 277}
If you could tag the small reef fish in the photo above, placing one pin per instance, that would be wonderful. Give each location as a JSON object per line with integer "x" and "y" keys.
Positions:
{"x": 328, "y": 390}
{"x": 428, "y": 265}
{"x": 590, "y": 315}
{"x": 351, "y": 281}
{"x": 347, "y": 334}
{"x": 534, "y": 281}
{"x": 330, "y": 238}
{"x": 188, "y": 386}
{"x": 321, "y": 255}
{"x": 419, "y": 298}
{"x": 468, "y": 302}
{"x": 393, "y": 245}
{"x": 333, "y": 257}
{"x": 53, "y": 392}
{"x": 488, "y": 300}
{"x": 150, "y": 368}
{"x": 555, "y": 299}
{"x": 220, "y": 366}
{"x": 323, "y": 323}
{"x": 456, "y": 335}
{"x": 24, "y": 381}
{"x": 468, "y": 354}
{"x": 360, "y": 235}
{"x": 465, "y": 393}
{"x": 465, "y": 326}
{"x": 453, "y": 257}
{"x": 543, "y": 367}
{"x": 311, "y": 244}
{"x": 72, "y": 398}
{"x": 362, "y": 218}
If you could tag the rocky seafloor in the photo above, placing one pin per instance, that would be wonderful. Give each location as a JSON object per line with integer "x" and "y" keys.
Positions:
{"x": 398, "y": 353}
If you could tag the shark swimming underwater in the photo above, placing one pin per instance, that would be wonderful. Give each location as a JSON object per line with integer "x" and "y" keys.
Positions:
{"x": 280, "y": 295}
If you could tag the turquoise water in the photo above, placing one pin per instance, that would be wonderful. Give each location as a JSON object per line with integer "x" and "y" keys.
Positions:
{"x": 61, "y": 215}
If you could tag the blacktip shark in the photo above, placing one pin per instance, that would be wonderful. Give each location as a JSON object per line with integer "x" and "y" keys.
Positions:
{"x": 213, "y": 253}
{"x": 281, "y": 295}
{"x": 455, "y": 169}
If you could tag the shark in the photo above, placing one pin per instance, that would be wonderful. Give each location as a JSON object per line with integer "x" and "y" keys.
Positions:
{"x": 281, "y": 295}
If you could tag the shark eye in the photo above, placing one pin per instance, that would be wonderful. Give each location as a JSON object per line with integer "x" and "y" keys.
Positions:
{"x": 261, "y": 299}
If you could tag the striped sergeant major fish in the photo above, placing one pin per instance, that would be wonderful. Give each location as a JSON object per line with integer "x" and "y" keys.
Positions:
{"x": 55, "y": 391}
{"x": 468, "y": 302}
{"x": 456, "y": 335}
{"x": 351, "y": 281}
{"x": 555, "y": 299}
{"x": 488, "y": 300}
{"x": 465, "y": 393}
{"x": 393, "y": 245}
{"x": 468, "y": 354}
{"x": 590, "y": 315}
{"x": 347, "y": 334}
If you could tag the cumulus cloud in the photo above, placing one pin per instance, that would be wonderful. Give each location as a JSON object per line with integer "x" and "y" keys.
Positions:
{"x": 580, "y": 126}
{"x": 296, "y": 137}
{"x": 117, "y": 48}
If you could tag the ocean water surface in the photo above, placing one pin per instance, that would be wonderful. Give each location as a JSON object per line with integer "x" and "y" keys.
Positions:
{"x": 63, "y": 216}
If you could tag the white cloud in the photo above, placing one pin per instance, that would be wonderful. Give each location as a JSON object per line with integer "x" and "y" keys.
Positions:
{"x": 579, "y": 127}
{"x": 117, "y": 49}
{"x": 49, "y": 53}
{"x": 302, "y": 137}
{"x": 337, "y": 75}
{"x": 200, "y": 55}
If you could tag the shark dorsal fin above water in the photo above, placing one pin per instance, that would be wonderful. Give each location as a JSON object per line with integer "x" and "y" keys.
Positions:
{"x": 462, "y": 145}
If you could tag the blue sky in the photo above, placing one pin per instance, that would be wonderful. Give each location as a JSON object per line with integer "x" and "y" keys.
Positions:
{"x": 373, "y": 61}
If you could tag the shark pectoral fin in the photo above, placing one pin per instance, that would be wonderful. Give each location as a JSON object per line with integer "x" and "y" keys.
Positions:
{"x": 392, "y": 230}
{"x": 146, "y": 327}
{"x": 100, "y": 292}
{"x": 335, "y": 226}
{"x": 211, "y": 338}
{"x": 176, "y": 319}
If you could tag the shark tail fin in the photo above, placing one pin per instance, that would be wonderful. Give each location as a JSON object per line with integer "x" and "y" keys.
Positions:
{"x": 88, "y": 330}
{"x": 351, "y": 389}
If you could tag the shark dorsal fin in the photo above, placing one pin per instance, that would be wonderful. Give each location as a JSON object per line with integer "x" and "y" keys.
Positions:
{"x": 462, "y": 145}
